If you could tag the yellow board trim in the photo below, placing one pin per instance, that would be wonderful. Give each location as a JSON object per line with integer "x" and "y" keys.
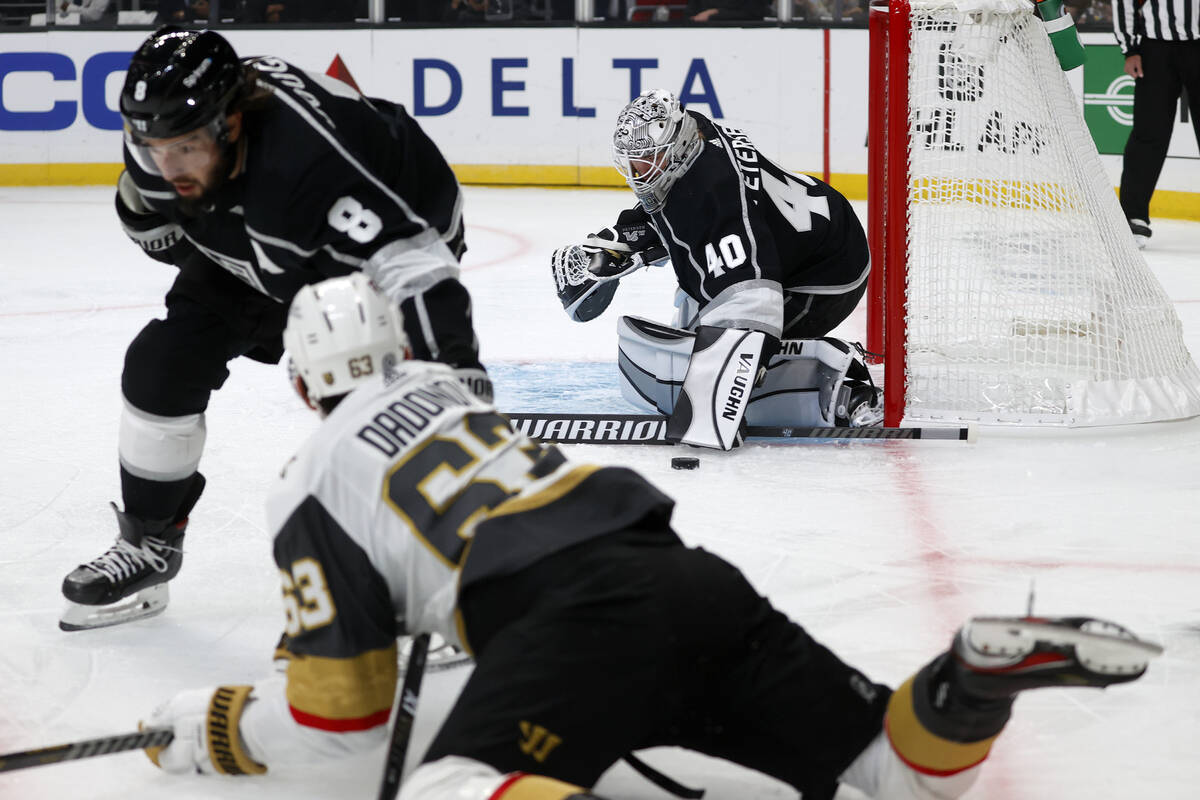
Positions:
{"x": 1167, "y": 204}
{"x": 921, "y": 748}
{"x": 343, "y": 688}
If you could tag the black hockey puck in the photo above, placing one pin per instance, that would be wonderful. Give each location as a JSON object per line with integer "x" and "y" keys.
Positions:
{"x": 685, "y": 462}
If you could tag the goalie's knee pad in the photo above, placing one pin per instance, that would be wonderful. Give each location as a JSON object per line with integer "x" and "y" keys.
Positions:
{"x": 653, "y": 361}
{"x": 818, "y": 383}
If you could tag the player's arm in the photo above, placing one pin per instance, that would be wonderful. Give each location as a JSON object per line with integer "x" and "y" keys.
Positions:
{"x": 337, "y": 693}
{"x": 586, "y": 274}
{"x": 159, "y": 238}
{"x": 359, "y": 222}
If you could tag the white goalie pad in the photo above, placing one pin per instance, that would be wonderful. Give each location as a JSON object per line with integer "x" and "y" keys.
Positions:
{"x": 716, "y": 391}
{"x": 653, "y": 361}
{"x": 802, "y": 387}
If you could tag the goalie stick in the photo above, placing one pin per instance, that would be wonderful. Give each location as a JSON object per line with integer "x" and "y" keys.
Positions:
{"x": 406, "y": 712}
{"x": 652, "y": 429}
{"x": 86, "y": 748}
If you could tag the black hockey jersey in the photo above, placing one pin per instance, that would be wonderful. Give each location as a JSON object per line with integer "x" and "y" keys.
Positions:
{"x": 332, "y": 182}
{"x": 740, "y": 231}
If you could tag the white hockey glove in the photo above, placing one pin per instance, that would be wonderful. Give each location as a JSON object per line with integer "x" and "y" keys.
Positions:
{"x": 206, "y": 740}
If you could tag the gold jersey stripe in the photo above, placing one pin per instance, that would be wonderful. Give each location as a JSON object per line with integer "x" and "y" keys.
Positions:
{"x": 923, "y": 750}
{"x": 535, "y": 787}
{"x": 343, "y": 688}
{"x": 560, "y": 488}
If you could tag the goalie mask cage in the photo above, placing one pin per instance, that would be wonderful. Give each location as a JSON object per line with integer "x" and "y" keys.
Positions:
{"x": 1005, "y": 284}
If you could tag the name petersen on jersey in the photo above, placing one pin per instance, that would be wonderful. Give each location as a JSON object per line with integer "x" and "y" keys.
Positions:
{"x": 746, "y": 155}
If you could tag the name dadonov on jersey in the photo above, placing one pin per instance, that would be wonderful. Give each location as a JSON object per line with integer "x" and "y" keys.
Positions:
{"x": 401, "y": 421}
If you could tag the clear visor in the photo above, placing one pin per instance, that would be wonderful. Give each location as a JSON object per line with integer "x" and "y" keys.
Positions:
{"x": 182, "y": 156}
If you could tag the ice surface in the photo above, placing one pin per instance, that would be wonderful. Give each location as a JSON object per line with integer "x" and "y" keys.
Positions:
{"x": 880, "y": 549}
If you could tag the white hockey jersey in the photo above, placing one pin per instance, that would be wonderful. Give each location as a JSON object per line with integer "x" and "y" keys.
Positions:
{"x": 412, "y": 490}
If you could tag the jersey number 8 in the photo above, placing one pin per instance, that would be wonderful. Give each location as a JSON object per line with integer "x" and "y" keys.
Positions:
{"x": 350, "y": 217}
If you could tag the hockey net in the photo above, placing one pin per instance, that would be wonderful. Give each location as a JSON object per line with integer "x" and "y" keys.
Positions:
{"x": 1006, "y": 286}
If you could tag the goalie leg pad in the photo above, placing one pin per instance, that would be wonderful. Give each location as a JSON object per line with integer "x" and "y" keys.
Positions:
{"x": 653, "y": 361}
{"x": 721, "y": 374}
{"x": 816, "y": 383}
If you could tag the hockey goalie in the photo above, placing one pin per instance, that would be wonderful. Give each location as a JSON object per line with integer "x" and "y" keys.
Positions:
{"x": 768, "y": 262}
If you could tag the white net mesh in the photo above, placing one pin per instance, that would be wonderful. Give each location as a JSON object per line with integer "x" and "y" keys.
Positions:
{"x": 1028, "y": 301}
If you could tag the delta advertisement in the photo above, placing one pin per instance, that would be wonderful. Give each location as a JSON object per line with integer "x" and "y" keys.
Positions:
{"x": 532, "y": 105}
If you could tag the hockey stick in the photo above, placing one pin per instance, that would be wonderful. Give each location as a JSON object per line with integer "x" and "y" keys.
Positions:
{"x": 652, "y": 429}
{"x": 664, "y": 782}
{"x": 406, "y": 712}
{"x": 86, "y": 748}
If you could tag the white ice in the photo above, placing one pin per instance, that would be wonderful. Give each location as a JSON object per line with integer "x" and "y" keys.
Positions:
{"x": 880, "y": 549}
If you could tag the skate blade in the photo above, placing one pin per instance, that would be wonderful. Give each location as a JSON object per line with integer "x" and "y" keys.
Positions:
{"x": 1102, "y": 647}
{"x": 146, "y": 603}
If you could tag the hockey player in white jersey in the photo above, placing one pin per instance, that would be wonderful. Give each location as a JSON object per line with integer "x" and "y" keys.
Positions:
{"x": 760, "y": 254}
{"x": 416, "y": 508}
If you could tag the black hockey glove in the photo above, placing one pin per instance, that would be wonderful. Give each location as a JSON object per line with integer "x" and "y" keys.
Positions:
{"x": 623, "y": 248}
{"x": 158, "y": 237}
{"x": 583, "y": 297}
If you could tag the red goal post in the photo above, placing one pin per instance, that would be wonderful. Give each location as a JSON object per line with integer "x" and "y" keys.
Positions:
{"x": 1005, "y": 285}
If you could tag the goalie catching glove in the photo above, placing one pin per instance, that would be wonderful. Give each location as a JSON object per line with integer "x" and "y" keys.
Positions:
{"x": 206, "y": 740}
{"x": 586, "y": 275}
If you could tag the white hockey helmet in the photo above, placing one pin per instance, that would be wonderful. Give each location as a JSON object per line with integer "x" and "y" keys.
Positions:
{"x": 341, "y": 333}
{"x": 654, "y": 143}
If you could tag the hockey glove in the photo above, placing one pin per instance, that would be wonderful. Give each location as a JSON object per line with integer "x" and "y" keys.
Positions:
{"x": 206, "y": 740}
{"x": 156, "y": 235}
{"x": 582, "y": 296}
{"x": 477, "y": 381}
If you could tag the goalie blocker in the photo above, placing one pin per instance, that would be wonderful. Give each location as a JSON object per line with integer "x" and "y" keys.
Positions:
{"x": 697, "y": 379}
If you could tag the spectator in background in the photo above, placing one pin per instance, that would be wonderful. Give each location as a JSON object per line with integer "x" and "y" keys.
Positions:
{"x": 90, "y": 12}
{"x": 177, "y": 12}
{"x": 272, "y": 11}
{"x": 726, "y": 10}
{"x": 1161, "y": 43}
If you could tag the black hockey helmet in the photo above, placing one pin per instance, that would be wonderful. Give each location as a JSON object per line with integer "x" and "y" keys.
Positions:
{"x": 179, "y": 80}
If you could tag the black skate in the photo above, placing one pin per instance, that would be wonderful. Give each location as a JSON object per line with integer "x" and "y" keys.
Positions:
{"x": 859, "y": 405}
{"x": 129, "y": 581}
{"x": 997, "y": 657}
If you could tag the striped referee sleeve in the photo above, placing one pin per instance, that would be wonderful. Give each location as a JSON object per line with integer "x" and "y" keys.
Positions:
{"x": 1168, "y": 20}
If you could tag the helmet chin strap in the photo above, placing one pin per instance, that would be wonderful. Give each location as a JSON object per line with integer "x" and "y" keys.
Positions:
{"x": 302, "y": 389}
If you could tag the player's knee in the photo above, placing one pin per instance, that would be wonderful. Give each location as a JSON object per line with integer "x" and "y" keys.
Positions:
{"x": 160, "y": 377}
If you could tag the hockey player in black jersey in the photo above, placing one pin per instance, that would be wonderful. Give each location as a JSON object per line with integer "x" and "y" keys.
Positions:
{"x": 415, "y": 508}
{"x": 760, "y": 254}
{"x": 253, "y": 178}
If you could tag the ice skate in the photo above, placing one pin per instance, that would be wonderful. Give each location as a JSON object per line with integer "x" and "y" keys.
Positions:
{"x": 860, "y": 405}
{"x": 998, "y": 657}
{"x": 129, "y": 581}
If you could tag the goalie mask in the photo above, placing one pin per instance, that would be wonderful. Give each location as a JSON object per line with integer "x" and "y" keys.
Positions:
{"x": 655, "y": 142}
{"x": 340, "y": 334}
